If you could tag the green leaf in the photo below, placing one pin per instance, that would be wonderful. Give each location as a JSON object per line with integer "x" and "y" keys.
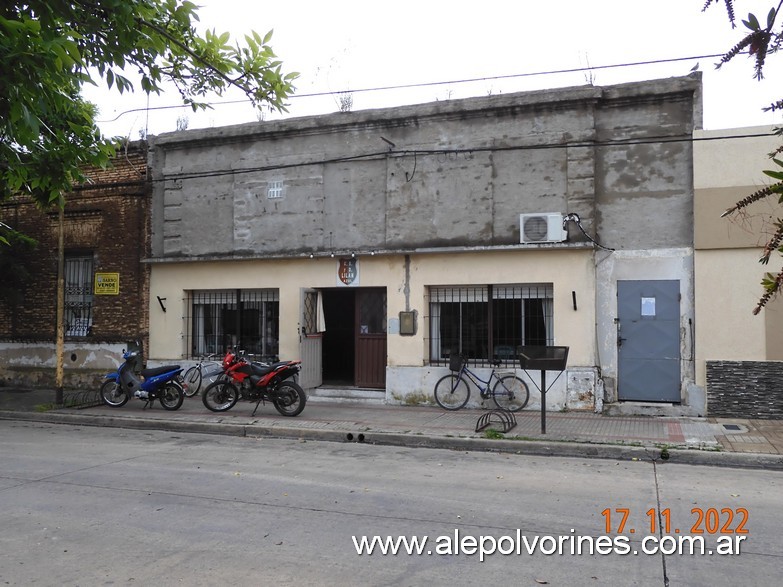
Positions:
{"x": 48, "y": 130}
{"x": 752, "y": 23}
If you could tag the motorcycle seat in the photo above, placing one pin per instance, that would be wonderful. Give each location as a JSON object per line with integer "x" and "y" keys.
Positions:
{"x": 261, "y": 369}
{"x": 159, "y": 370}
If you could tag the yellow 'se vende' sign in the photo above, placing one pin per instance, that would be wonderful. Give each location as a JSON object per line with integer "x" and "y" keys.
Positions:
{"x": 107, "y": 284}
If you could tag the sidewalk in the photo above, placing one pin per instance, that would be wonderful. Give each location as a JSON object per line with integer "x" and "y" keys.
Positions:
{"x": 730, "y": 442}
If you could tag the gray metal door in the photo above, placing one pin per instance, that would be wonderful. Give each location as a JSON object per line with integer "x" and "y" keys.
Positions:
{"x": 648, "y": 341}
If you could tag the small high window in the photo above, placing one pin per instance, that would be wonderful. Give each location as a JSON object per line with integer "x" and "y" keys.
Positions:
{"x": 274, "y": 190}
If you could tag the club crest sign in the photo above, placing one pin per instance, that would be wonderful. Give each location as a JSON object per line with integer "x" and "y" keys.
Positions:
{"x": 348, "y": 272}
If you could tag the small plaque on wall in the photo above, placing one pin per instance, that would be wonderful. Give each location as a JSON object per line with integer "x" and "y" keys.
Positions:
{"x": 107, "y": 284}
{"x": 408, "y": 323}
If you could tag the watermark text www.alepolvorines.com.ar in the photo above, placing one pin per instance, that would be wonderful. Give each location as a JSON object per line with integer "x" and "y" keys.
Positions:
{"x": 547, "y": 545}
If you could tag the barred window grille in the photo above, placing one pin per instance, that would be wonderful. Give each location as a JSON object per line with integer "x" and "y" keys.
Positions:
{"x": 310, "y": 312}
{"x": 78, "y": 294}
{"x": 246, "y": 319}
{"x": 488, "y": 323}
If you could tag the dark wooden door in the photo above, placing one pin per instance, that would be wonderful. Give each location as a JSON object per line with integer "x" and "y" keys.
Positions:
{"x": 370, "y": 327}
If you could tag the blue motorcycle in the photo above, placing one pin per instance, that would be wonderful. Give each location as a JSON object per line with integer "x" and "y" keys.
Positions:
{"x": 161, "y": 383}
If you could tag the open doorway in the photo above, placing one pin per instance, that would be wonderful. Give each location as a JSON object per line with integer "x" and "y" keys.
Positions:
{"x": 354, "y": 343}
{"x": 338, "y": 340}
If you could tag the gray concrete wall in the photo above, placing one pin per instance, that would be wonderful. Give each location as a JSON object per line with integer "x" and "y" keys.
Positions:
{"x": 456, "y": 174}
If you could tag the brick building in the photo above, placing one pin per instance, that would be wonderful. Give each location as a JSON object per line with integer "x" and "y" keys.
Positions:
{"x": 106, "y": 237}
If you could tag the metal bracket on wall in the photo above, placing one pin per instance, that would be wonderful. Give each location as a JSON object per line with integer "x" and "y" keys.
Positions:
{"x": 160, "y": 301}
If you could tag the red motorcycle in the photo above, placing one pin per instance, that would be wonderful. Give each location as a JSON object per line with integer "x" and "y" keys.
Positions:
{"x": 242, "y": 379}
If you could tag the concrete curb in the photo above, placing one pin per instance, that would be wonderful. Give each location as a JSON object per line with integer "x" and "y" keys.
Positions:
{"x": 523, "y": 447}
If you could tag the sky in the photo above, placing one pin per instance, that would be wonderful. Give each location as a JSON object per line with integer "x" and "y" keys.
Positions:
{"x": 345, "y": 47}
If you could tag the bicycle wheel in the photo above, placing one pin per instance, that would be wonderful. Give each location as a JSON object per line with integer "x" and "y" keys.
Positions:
{"x": 510, "y": 393}
{"x": 451, "y": 392}
{"x": 192, "y": 380}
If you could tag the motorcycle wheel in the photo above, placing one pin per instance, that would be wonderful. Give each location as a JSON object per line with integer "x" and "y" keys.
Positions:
{"x": 171, "y": 396}
{"x": 113, "y": 394}
{"x": 289, "y": 399}
{"x": 220, "y": 396}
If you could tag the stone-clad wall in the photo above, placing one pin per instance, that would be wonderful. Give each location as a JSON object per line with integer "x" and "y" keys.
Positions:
{"x": 745, "y": 389}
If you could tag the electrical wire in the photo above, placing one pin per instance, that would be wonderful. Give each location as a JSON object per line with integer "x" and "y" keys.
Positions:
{"x": 431, "y": 84}
{"x": 573, "y": 217}
{"x": 379, "y": 155}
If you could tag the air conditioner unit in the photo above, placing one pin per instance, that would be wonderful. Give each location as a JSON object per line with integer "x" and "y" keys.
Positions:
{"x": 541, "y": 228}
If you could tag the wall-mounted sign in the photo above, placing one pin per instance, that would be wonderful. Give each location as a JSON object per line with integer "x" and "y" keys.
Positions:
{"x": 107, "y": 284}
{"x": 348, "y": 272}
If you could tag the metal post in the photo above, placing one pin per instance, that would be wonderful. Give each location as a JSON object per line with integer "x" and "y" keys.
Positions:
{"x": 60, "y": 344}
{"x": 543, "y": 401}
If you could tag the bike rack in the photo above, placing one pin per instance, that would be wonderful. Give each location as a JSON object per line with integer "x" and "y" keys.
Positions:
{"x": 505, "y": 418}
{"x": 82, "y": 399}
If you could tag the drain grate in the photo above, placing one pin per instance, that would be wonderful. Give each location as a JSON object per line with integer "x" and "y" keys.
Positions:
{"x": 731, "y": 427}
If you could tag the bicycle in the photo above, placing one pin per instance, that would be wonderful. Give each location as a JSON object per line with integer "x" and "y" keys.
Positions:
{"x": 194, "y": 375}
{"x": 452, "y": 391}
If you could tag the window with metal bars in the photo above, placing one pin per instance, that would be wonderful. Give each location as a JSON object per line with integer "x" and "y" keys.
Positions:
{"x": 245, "y": 319}
{"x": 310, "y": 317}
{"x": 78, "y": 294}
{"x": 489, "y": 322}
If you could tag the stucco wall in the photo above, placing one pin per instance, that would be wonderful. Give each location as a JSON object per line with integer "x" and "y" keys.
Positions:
{"x": 729, "y": 166}
{"x": 408, "y": 356}
{"x": 568, "y": 271}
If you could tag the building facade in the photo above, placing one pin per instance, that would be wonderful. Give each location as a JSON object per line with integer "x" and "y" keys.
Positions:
{"x": 375, "y": 245}
{"x": 738, "y": 355}
{"x": 106, "y": 237}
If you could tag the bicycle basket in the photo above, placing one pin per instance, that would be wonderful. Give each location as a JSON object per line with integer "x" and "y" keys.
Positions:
{"x": 455, "y": 362}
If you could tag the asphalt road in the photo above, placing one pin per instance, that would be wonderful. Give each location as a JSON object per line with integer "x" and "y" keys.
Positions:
{"x": 97, "y": 506}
